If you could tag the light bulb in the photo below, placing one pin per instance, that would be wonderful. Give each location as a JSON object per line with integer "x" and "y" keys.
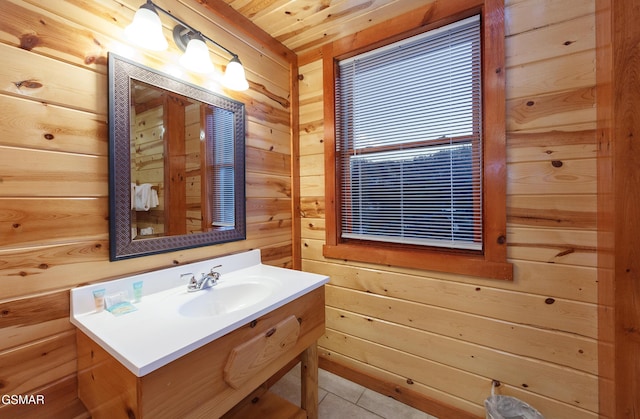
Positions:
{"x": 234, "y": 77}
{"x": 196, "y": 57}
{"x": 145, "y": 30}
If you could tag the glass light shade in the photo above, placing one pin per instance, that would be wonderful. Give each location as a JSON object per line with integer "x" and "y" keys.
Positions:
{"x": 234, "y": 77}
{"x": 196, "y": 57}
{"x": 145, "y": 30}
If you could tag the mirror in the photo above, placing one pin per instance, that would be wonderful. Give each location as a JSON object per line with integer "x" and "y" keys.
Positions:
{"x": 176, "y": 163}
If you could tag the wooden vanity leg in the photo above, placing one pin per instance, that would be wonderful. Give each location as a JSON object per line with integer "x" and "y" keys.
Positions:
{"x": 309, "y": 381}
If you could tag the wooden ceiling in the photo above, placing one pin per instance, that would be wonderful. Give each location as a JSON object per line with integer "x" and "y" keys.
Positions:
{"x": 303, "y": 25}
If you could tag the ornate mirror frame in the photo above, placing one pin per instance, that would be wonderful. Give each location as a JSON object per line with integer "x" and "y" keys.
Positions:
{"x": 122, "y": 244}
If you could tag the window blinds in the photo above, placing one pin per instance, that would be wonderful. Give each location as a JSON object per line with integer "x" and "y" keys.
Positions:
{"x": 408, "y": 131}
{"x": 220, "y": 125}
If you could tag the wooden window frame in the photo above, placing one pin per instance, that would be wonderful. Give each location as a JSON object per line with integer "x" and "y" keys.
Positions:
{"x": 492, "y": 261}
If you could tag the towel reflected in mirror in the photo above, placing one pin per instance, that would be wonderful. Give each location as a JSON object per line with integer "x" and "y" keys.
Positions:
{"x": 145, "y": 197}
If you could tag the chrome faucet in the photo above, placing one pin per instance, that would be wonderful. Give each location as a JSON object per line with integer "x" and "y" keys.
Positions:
{"x": 206, "y": 281}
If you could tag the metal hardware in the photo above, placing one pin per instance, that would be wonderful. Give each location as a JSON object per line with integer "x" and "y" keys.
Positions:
{"x": 206, "y": 281}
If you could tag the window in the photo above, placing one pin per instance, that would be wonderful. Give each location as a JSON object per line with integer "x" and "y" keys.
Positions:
{"x": 414, "y": 157}
{"x": 220, "y": 124}
{"x": 410, "y": 163}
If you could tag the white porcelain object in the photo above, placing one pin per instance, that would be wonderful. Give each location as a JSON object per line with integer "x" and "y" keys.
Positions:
{"x": 170, "y": 322}
{"x": 227, "y": 297}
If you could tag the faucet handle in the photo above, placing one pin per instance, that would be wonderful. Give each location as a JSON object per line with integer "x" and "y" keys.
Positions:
{"x": 187, "y": 274}
{"x": 193, "y": 282}
{"x": 215, "y": 275}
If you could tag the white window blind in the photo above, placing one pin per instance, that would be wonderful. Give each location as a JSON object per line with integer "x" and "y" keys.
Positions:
{"x": 408, "y": 138}
{"x": 220, "y": 125}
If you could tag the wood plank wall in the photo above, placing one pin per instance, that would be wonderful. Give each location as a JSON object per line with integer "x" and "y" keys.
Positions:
{"x": 54, "y": 174}
{"x": 617, "y": 39}
{"x": 437, "y": 341}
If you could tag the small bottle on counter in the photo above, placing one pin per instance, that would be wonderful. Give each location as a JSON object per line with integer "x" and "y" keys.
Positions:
{"x": 137, "y": 291}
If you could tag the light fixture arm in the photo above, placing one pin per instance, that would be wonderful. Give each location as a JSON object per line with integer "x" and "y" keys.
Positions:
{"x": 190, "y": 28}
{"x": 146, "y": 31}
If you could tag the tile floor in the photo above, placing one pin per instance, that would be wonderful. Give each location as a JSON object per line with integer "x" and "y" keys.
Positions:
{"x": 340, "y": 399}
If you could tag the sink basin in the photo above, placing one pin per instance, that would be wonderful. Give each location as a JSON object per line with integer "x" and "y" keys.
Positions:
{"x": 170, "y": 322}
{"x": 226, "y": 298}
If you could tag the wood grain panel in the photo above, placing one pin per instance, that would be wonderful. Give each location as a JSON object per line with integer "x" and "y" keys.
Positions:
{"x": 447, "y": 404}
{"x": 553, "y": 246}
{"x": 551, "y": 145}
{"x": 267, "y": 209}
{"x": 313, "y": 165}
{"x": 312, "y": 138}
{"x": 416, "y": 369}
{"x": 46, "y": 220}
{"x": 552, "y": 177}
{"x": 439, "y": 376}
{"x": 268, "y": 138}
{"x": 40, "y": 268}
{"x": 312, "y": 185}
{"x": 54, "y": 82}
{"x": 313, "y": 228}
{"x": 530, "y": 15}
{"x": 470, "y": 333}
{"x": 547, "y": 279}
{"x": 277, "y": 230}
{"x": 397, "y": 387}
{"x": 569, "y": 211}
{"x": 61, "y": 401}
{"x": 55, "y": 266}
{"x": 28, "y": 124}
{"x": 277, "y": 254}
{"x": 51, "y": 174}
{"x": 266, "y": 406}
{"x": 248, "y": 358}
{"x": 555, "y": 75}
{"x": 412, "y": 294}
{"x": 551, "y": 41}
{"x": 47, "y": 32}
{"x": 307, "y": 27}
{"x": 568, "y": 257}
{"x": 267, "y": 186}
{"x": 268, "y": 161}
{"x": 106, "y": 386}
{"x": 618, "y": 37}
{"x": 552, "y": 110}
{"x": 31, "y": 311}
{"x": 264, "y": 111}
{"x": 536, "y": 376}
{"x": 311, "y": 206}
{"x": 38, "y": 363}
{"x": 31, "y": 319}
{"x": 310, "y": 108}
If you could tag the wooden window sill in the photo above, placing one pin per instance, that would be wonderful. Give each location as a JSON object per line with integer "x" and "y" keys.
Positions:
{"x": 463, "y": 264}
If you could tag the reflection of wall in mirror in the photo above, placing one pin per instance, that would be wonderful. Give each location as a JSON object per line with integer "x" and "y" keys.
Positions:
{"x": 150, "y": 141}
{"x": 147, "y": 166}
{"x": 194, "y": 150}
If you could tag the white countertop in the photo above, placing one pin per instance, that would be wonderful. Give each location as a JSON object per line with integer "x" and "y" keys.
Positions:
{"x": 156, "y": 333}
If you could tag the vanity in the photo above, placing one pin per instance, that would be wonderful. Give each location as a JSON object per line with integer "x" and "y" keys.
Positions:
{"x": 199, "y": 354}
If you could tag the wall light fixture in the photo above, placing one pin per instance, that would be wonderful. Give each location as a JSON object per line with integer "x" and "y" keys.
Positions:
{"x": 145, "y": 31}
